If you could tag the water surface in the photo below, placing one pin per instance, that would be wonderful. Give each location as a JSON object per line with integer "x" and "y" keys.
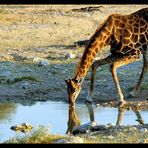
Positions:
{"x": 56, "y": 115}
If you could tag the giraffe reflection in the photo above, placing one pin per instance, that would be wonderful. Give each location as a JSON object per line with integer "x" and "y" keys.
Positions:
{"x": 73, "y": 119}
{"x": 121, "y": 112}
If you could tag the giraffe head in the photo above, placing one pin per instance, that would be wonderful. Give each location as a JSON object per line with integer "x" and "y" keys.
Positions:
{"x": 73, "y": 89}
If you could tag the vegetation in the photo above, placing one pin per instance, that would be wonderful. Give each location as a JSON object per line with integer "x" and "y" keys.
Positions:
{"x": 38, "y": 135}
{"x": 30, "y": 78}
{"x": 126, "y": 135}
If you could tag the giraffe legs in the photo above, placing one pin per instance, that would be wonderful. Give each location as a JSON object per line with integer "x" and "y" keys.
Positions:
{"x": 118, "y": 62}
{"x": 94, "y": 67}
{"x": 141, "y": 78}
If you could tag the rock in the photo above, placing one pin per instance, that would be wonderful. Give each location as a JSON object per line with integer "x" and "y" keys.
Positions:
{"x": 7, "y": 69}
{"x": 98, "y": 105}
{"x": 134, "y": 128}
{"x": 110, "y": 125}
{"x": 44, "y": 63}
{"x": 93, "y": 124}
{"x": 40, "y": 61}
{"x": 79, "y": 55}
{"x": 38, "y": 49}
{"x": 24, "y": 127}
{"x": 25, "y": 85}
{"x": 5, "y": 73}
{"x": 61, "y": 141}
{"x": 26, "y": 69}
{"x": 100, "y": 128}
{"x": 89, "y": 127}
{"x": 82, "y": 129}
{"x": 110, "y": 137}
{"x": 70, "y": 55}
{"x": 143, "y": 130}
{"x": 76, "y": 140}
{"x": 71, "y": 140}
{"x": 141, "y": 141}
{"x": 37, "y": 59}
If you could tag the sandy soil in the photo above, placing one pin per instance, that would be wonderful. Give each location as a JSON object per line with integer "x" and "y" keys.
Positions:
{"x": 49, "y": 34}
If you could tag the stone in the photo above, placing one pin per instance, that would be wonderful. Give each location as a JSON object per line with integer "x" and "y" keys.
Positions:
{"x": 134, "y": 128}
{"x": 5, "y": 73}
{"x": 24, "y": 127}
{"x": 37, "y": 59}
{"x": 71, "y": 140}
{"x": 40, "y": 61}
{"x": 82, "y": 129}
{"x": 44, "y": 63}
{"x": 25, "y": 85}
{"x": 26, "y": 69}
{"x": 110, "y": 137}
{"x": 38, "y": 49}
{"x": 76, "y": 140}
{"x": 7, "y": 69}
{"x": 143, "y": 130}
{"x": 61, "y": 141}
{"x": 70, "y": 55}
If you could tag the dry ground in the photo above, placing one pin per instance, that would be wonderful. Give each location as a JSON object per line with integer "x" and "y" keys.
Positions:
{"x": 49, "y": 32}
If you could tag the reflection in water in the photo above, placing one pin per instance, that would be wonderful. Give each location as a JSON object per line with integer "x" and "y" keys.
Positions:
{"x": 90, "y": 111}
{"x": 121, "y": 112}
{"x": 73, "y": 120}
{"x": 139, "y": 118}
{"x": 6, "y": 110}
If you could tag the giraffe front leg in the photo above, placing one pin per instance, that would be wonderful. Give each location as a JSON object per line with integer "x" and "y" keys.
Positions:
{"x": 90, "y": 95}
{"x": 94, "y": 67}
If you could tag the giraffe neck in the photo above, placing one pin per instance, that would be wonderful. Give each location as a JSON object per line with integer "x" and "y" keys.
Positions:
{"x": 101, "y": 38}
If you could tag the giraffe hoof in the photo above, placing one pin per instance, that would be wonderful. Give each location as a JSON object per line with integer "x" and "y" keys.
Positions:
{"x": 121, "y": 103}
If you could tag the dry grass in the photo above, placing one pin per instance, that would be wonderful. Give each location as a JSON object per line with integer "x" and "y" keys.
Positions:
{"x": 51, "y": 26}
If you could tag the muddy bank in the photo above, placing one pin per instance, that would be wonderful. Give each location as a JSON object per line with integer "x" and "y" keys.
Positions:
{"x": 32, "y": 82}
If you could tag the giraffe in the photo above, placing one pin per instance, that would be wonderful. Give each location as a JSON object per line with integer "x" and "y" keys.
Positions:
{"x": 127, "y": 36}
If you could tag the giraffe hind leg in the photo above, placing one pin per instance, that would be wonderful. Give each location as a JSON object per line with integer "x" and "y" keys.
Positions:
{"x": 118, "y": 62}
{"x": 141, "y": 78}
